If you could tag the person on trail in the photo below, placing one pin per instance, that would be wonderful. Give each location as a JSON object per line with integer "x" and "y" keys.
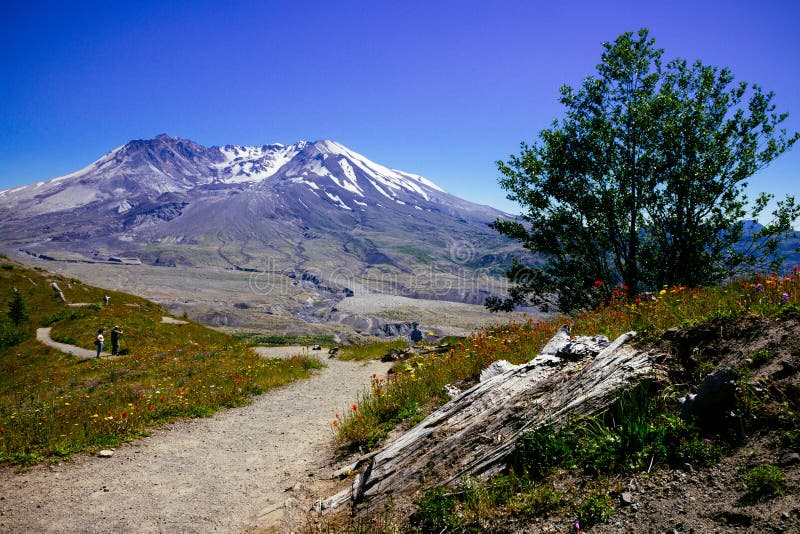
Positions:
{"x": 99, "y": 342}
{"x": 116, "y": 333}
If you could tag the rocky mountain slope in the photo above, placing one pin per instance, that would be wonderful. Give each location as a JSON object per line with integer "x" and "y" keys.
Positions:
{"x": 315, "y": 210}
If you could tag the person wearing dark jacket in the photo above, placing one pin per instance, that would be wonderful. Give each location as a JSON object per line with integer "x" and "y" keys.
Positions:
{"x": 116, "y": 333}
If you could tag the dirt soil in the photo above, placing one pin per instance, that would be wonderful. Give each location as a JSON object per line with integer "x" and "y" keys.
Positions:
{"x": 711, "y": 499}
{"x": 256, "y": 467}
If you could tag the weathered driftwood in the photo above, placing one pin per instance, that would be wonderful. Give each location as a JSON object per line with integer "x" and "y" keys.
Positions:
{"x": 58, "y": 291}
{"x": 473, "y": 434}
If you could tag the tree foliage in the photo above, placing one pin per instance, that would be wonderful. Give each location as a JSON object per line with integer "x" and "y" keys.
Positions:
{"x": 16, "y": 310}
{"x": 642, "y": 182}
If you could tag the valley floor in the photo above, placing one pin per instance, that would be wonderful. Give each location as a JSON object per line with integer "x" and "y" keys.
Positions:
{"x": 256, "y": 466}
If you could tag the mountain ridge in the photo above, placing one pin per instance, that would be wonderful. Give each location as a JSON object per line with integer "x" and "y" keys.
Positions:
{"x": 310, "y": 207}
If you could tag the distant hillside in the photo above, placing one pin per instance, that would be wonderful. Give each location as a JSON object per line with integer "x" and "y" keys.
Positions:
{"x": 789, "y": 248}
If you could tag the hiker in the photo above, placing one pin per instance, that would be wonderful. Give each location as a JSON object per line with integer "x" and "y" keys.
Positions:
{"x": 99, "y": 342}
{"x": 116, "y": 333}
{"x": 106, "y": 300}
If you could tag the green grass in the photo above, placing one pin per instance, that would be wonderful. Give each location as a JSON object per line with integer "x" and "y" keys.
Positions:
{"x": 420, "y": 382}
{"x": 641, "y": 430}
{"x": 370, "y": 351}
{"x": 419, "y": 255}
{"x": 596, "y": 508}
{"x": 253, "y": 339}
{"x": 764, "y": 482}
{"x": 53, "y": 404}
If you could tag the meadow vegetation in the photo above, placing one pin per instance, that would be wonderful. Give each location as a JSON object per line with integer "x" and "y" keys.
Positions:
{"x": 643, "y": 430}
{"x": 53, "y": 404}
{"x": 370, "y": 351}
{"x": 280, "y": 340}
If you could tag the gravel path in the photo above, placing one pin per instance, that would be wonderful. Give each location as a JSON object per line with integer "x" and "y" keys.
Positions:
{"x": 240, "y": 469}
{"x": 43, "y": 336}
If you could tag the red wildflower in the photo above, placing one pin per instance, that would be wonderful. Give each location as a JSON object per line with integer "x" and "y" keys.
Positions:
{"x": 598, "y": 283}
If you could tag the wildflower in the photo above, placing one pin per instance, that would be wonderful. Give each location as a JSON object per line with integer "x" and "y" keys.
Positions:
{"x": 759, "y": 288}
{"x": 598, "y": 283}
{"x": 785, "y": 297}
{"x": 577, "y": 526}
{"x": 335, "y": 422}
{"x": 616, "y": 292}
{"x": 662, "y": 292}
{"x": 354, "y": 407}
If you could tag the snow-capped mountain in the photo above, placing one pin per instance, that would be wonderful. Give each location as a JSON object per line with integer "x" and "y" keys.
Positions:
{"x": 173, "y": 165}
{"x": 173, "y": 201}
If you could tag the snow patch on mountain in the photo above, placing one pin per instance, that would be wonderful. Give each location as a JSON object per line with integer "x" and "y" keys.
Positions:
{"x": 338, "y": 201}
{"x": 387, "y": 177}
{"x": 244, "y": 164}
{"x": 150, "y": 169}
{"x": 311, "y": 185}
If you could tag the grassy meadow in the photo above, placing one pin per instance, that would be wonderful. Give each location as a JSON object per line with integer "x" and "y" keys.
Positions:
{"x": 53, "y": 404}
{"x": 417, "y": 383}
{"x": 575, "y": 471}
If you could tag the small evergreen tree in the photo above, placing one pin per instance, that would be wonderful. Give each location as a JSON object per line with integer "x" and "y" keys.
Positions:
{"x": 16, "y": 311}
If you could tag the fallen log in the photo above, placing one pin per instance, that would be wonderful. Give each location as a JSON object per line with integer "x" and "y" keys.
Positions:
{"x": 474, "y": 434}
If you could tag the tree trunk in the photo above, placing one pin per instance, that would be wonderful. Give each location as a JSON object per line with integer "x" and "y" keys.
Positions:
{"x": 474, "y": 434}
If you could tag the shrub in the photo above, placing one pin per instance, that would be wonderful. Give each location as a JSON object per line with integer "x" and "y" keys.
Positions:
{"x": 596, "y": 508}
{"x": 538, "y": 501}
{"x": 11, "y": 335}
{"x": 436, "y": 511}
{"x": 698, "y": 453}
{"x": 538, "y": 452}
{"x": 764, "y": 482}
{"x": 760, "y": 357}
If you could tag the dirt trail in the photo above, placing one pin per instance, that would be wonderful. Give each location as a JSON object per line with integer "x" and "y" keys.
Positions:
{"x": 241, "y": 468}
{"x": 43, "y": 336}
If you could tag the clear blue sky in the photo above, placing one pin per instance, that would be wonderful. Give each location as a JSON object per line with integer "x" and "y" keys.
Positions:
{"x": 441, "y": 89}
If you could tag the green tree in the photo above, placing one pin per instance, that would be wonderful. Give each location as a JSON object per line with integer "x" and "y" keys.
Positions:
{"x": 16, "y": 310}
{"x": 642, "y": 182}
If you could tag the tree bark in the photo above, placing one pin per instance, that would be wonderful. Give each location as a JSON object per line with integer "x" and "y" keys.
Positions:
{"x": 473, "y": 434}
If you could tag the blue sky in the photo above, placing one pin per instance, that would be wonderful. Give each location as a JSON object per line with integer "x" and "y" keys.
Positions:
{"x": 442, "y": 89}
